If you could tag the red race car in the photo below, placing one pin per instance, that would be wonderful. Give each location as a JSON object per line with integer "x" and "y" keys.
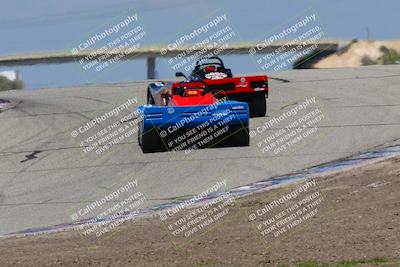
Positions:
{"x": 220, "y": 82}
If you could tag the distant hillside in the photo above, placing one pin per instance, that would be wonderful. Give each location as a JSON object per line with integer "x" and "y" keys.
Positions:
{"x": 361, "y": 53}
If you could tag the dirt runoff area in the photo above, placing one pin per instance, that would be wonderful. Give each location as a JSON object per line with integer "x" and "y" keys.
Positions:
{"x": 351, "y": 215}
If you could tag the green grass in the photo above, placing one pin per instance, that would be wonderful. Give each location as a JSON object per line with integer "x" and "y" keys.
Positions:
{"x": 390, "y": 56}
{"x": 352, "y": 263}
{"x": 6, "y": 84}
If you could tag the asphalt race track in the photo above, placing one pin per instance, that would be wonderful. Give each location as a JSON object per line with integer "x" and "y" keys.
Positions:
{"x": 45, "y": 177}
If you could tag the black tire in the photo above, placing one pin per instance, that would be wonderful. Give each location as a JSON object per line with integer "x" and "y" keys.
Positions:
{"x": 151, "y": 142}
{"x": 139, "y": 135}
{"x": 149, "y": 147}
{"x": 241, "y": 137}
{"x": 150, "y": 99}
{"x": 258, "y": 107}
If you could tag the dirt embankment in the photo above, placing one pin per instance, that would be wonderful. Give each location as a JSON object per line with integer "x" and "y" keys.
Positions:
{"x": 356, "y": 53}
{"x": 359, "y": 220}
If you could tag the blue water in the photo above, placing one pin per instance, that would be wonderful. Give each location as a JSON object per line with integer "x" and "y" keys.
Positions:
{"x": 59, "y": 25}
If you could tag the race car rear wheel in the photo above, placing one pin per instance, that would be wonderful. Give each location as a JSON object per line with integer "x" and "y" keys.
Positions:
{"x": 148, "y": 146}
{"x": 151, "y": 141}
{"x": 258, "y": 107}
{"x": 241, "y": 137}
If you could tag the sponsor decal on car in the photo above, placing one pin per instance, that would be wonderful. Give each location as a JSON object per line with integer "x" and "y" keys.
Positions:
{"x": 242, "y": 83}
{"x": 216, "y": 75}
